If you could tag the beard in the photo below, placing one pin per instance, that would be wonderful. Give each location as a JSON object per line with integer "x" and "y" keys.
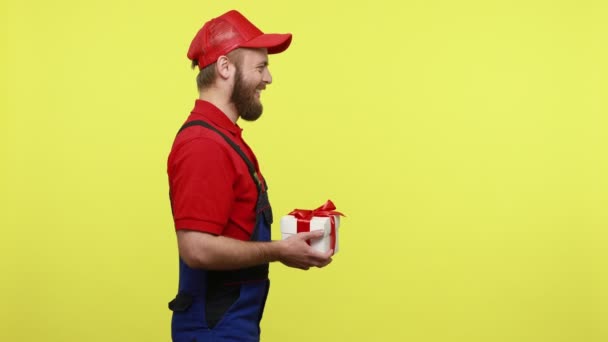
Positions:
{"x": 244, "y": 98}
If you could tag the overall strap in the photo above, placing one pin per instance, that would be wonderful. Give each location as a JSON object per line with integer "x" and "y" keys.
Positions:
{"x": 250, "y": 166}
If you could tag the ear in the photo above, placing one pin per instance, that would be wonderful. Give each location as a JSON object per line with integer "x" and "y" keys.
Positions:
{"x": 224, "y": 68}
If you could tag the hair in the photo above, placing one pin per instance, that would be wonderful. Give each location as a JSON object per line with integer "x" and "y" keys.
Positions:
{"x": 206, "y": 76}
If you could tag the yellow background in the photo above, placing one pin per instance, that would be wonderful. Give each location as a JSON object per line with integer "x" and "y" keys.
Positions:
{"x": 465, "y": 140}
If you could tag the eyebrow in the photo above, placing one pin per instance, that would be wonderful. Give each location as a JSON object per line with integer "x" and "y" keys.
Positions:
{"x": 264, "y": 63}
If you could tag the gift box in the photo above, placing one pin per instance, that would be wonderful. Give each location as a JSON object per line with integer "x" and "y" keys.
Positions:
{"x": 324, "y": 218}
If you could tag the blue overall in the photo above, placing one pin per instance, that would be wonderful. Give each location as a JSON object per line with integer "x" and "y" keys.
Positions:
{"x": 223, "y": 306}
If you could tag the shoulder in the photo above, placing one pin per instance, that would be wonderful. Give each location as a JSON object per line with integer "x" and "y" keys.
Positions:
{"x": 198, "y": 138}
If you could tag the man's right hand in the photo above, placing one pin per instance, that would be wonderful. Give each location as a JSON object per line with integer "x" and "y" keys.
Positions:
{"x": 295, "y": 252}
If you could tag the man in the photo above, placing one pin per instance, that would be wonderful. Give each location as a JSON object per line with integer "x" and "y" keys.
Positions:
{"x": 218, "y": 195}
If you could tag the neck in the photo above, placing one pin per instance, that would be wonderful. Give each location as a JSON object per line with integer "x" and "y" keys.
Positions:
{"x": 221, "y": 102}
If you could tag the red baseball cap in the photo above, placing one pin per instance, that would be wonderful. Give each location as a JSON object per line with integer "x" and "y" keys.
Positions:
{"x": 230, "y": 31}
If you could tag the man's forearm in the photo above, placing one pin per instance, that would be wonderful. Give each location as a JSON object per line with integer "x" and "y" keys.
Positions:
{"x": 200, "y": 250}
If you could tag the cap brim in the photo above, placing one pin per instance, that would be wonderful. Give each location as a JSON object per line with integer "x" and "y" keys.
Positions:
{"x": 274, "y": 42}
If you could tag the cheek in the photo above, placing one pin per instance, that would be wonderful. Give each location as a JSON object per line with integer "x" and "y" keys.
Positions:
{"x": 254, "y": 82}
{"x": 254, "y": 77}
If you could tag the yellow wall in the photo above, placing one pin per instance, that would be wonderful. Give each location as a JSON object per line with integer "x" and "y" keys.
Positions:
{"x": 465, "y": 140}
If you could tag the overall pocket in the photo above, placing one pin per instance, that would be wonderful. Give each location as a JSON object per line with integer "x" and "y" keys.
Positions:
{"x": 181, "y": 303}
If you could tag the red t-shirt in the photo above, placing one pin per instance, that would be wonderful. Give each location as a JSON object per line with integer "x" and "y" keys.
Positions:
{"x": 211, "y": 188}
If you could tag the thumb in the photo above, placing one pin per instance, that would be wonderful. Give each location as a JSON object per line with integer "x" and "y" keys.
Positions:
{"x": 311, "y": 235}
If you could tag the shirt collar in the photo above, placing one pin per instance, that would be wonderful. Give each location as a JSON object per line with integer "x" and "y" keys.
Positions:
{"x": 213, "y": 114}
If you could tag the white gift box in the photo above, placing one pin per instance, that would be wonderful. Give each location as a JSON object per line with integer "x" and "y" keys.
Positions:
{"x": 289, "y": 227}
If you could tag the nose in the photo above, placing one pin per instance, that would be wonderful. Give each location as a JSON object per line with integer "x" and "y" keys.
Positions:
{"x": 267, "y": 77}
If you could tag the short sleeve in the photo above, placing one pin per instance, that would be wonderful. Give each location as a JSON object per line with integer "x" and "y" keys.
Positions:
{"x": 201, "y": 181}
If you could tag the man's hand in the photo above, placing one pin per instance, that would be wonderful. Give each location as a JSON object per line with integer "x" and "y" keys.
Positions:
{"x": 296, "y": 253}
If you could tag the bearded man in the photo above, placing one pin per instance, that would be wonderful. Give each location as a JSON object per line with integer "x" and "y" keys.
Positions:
{"x": 218, "y": 195}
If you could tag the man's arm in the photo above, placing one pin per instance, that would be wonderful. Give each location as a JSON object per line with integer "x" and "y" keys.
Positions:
{"x": 211, "y": 252}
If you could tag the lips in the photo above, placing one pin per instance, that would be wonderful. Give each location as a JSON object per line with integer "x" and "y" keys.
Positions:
{"x": 258, "y": 92}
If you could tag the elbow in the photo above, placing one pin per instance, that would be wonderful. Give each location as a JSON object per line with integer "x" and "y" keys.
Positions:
{"x": 194, "y": 250}
{"x": 196, "y": 260}
{"x": 191, "y": 260}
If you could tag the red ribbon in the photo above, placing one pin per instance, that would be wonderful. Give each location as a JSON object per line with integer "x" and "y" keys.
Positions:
{"x": 304, "y": 216}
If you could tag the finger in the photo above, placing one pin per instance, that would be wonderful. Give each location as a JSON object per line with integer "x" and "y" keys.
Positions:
{"x": 323, "y": 256}
{"x": 330, "y": 253}
{"x": 323, "y": 264}
{"x": 320, "y": 261}
{"x": 298, "y": 266}
{"x": 311, "y": 235}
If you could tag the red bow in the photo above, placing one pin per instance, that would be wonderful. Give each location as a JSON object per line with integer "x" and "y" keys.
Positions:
{"x": 326, "y": 210}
